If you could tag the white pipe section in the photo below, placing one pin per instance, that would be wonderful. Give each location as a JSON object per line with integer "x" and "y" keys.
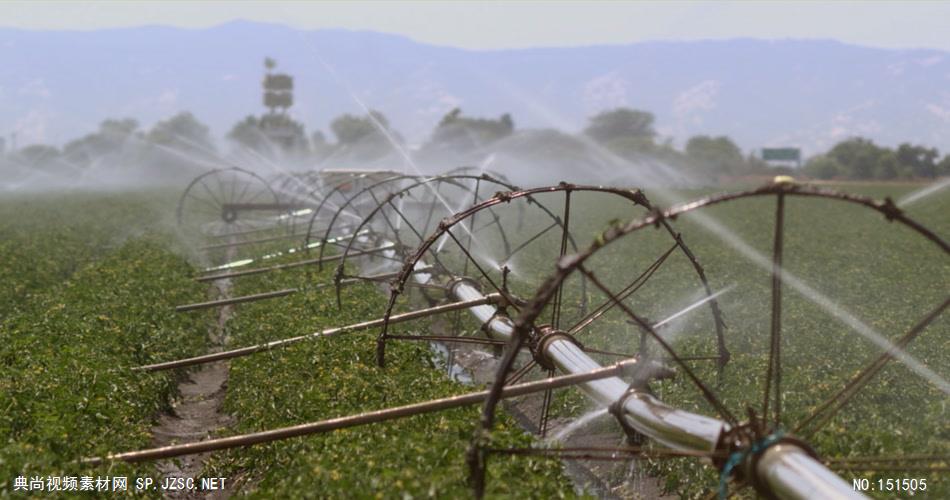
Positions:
{"x": 792, "y": 473}
{"x": 789, "y": 471}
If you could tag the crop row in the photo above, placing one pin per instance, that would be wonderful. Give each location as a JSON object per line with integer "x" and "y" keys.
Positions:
{"x": 45, "y": 238}
{"x": 65, "y": 388}
{"x": 422, "y": 456}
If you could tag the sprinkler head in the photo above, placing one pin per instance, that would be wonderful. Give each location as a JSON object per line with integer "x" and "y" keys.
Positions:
{"x": 783, "y": 179}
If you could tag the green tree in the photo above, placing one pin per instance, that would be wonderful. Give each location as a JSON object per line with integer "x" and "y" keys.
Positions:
{"x": 919, "y": 160}
{"x": 285, "y": 133}
{"x": 887, "y": 166}
{"x": 114, "y": 137}
{"x": 351, "y": 130}
{"x": 717, "y": 154}
{"x": 943, "y": 168}
{"x": 37, "y": 154}
{"x": 464, "y": 133}
{"x": 247, "y": 133}
{"x": 858, "y": 157}
{"x": 118, "y": 129}
{"x": 182, "y": 131}
{"x": 364, "y": 138}
{"x": 621, "y": 123}
{"x": 823, "y": 167}
{"x": 271, "y": 134}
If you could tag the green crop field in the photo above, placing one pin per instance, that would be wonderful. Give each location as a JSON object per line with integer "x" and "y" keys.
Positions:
{"x": 861, "y": 264}
{"x": 851, "y": 262}
{"x": 89, "y": 283}
{"x": 87, "y": 286}
{"x": 422, "y": 456}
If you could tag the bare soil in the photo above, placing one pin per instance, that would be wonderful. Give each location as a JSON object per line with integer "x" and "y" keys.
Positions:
{"x": 196, "y": 412}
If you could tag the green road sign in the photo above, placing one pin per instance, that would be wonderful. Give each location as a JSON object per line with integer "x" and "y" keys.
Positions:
{"x": 781, "y": 154}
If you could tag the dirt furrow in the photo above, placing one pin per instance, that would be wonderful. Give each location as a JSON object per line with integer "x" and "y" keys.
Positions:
{"x": 196, "y": 412}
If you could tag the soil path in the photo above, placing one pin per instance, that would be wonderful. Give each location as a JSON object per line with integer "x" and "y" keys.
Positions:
{"x": 196, "y": 412}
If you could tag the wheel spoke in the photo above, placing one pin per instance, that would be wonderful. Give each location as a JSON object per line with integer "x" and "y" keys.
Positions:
{"x": 559, "y": 294}
{"x": 545, "y": 409}
{"x": 212, "y": 206}
{"x": 602, "y": 453}
{"x": 706, "y": 392}
{"x": 625, "y": 293}
{"x": 521, "y": 372}
{"x": 480, "y": 269}
{"x": 528, "y": 241}
{"x": 834, "y": 404}
{"x": 774, "y": 369}
{"x": 208, "y": 190}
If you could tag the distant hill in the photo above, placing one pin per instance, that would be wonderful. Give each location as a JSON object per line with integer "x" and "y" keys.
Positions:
{"x": 58, "y": 85}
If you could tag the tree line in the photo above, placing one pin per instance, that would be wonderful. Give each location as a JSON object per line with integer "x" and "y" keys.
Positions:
{"x": 860, "y": 158}
{"x": 628, "y": 134}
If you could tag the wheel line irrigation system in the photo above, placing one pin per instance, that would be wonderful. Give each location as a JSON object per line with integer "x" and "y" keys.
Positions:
{"x": 367, "y": 217}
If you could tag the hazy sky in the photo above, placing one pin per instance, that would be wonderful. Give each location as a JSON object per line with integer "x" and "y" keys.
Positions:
{"x": 489, "y": 25}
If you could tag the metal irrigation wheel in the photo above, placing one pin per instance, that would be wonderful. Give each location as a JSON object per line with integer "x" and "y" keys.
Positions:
{"x": 348, "y": 205}
{"x": 548, "y": 235}
{"x": 742, "y": 440}
{"x": 401, "y": 219}
{"x": 230, "y": 207}
{"x": 297, "y": 189}
{"x": 297, "y": 185}
{"x": 473, "y": 170}
{"x": 345, "y": 205}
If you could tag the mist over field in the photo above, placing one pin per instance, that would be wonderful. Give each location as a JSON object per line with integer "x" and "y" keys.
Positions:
{"x": 115, "y": 107}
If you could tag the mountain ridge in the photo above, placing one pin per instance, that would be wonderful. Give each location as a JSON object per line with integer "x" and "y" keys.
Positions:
{"x": 58, "y": 85}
